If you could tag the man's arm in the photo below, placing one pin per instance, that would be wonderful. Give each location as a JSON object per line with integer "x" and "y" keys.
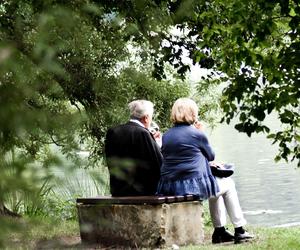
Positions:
{"x": 152, "y": 149}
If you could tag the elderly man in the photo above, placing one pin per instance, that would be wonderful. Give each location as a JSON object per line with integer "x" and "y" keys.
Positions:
{"x": 132, "y": 154}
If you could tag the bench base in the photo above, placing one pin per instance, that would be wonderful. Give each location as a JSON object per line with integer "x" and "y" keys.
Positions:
{"x": 143, "y": 225}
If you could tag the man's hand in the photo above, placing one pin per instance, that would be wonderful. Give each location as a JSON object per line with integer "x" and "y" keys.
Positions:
{"x": 156, "y": 135}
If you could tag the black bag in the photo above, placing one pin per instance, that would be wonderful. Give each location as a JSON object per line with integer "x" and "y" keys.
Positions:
{"x": 225, "y": 171}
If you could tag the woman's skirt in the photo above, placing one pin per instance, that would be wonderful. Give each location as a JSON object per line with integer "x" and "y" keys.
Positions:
{"x": 204, "y": 187}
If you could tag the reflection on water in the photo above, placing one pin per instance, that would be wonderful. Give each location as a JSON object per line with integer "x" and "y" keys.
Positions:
{"x": 269, "y": 192}
{"x": 268, "y": 211}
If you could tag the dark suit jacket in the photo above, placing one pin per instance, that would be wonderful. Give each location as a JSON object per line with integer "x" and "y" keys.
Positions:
{"x": 134, "y": 159}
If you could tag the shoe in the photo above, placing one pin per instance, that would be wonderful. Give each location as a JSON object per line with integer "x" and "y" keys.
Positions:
{"x": 220, "y": 237}
{"x": 242, "y": 237}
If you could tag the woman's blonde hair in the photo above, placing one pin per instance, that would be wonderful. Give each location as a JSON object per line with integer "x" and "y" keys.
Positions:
{"x": 184, "y": 110}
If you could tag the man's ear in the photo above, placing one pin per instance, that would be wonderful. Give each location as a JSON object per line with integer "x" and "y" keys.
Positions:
{"x": 146, "y": 121}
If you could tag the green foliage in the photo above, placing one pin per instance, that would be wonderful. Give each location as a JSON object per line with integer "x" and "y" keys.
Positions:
{"x": 206, "y": 215}
{"x": 28, "y": 202}
{"x": 257, "y": 50}
{"x": 162, "y": 93}
{"x": 253, "y": 46}
{"x": 60, "y": 203}
{"x": 207, "y": 95}
{"x": 56, "y": 197}
{"x": 265, "y": 238}
{"x": 67, "y": 72}
{"x": 47, "y": 233}
{"x": 69, "y": 68}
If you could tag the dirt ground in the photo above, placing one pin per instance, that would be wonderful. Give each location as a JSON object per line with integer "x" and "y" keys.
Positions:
{"x": 74, "y": 242}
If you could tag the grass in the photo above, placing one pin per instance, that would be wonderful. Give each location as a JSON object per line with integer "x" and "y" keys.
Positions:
{"x": 53, "y": 234}
{"x": 265, "y": 238}
{"x": 44, "y": 233}
{"x": 56, "y": 197}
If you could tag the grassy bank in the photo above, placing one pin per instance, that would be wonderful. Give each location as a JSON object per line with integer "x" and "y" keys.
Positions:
{"x": 65, "y": 235}
{"x": 265, "y": 238}
{"x": 43, "y": 233}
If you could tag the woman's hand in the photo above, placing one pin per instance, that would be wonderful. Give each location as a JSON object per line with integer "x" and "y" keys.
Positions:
{"x": 199, "y": 125}
{"x": 216, "y": 164}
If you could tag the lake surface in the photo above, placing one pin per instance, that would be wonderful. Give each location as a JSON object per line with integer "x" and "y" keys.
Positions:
{"x": 269, "y": 192}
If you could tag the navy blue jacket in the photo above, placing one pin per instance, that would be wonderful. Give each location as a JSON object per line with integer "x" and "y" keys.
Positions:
{"x": 186, "y": 153}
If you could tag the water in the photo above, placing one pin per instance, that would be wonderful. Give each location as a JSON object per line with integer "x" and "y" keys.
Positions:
{"x": 269, "y": 192}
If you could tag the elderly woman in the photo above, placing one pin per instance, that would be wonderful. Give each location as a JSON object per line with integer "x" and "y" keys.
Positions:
{"x": 186, "y": 170}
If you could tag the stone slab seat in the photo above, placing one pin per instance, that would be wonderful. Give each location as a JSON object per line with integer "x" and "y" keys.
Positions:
{"x": 141, "y": 221}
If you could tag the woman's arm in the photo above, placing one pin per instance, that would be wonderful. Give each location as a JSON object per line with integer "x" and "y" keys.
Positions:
{"x": 205, "y": 147}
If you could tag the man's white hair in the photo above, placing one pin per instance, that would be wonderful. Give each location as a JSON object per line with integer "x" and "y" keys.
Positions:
{"x": 140, "y": 108}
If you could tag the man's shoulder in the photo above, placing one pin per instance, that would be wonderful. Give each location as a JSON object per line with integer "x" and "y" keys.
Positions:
{"x": 129, "y": 126}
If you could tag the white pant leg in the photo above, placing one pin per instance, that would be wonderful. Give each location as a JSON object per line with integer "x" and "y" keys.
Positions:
{"x": 217, "y": 211}
{"x": 229, "y": 202}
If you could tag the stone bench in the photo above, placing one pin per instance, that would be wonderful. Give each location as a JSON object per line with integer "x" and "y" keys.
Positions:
{"x": 141, "y": 221}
